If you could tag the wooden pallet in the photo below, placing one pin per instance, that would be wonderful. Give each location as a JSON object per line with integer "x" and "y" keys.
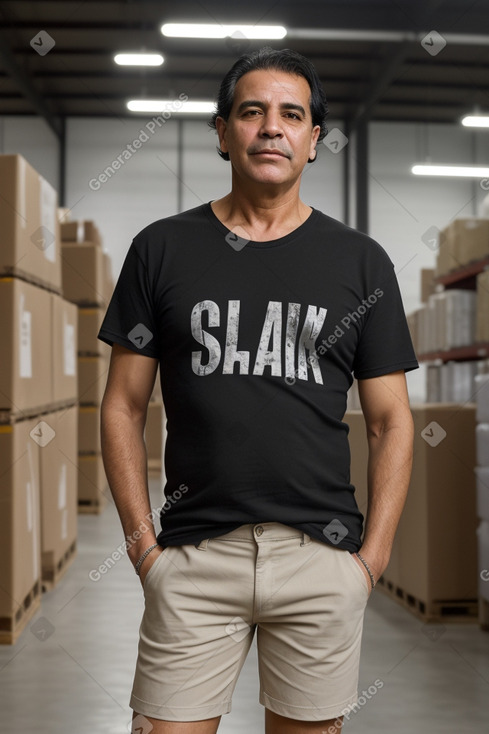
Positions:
{"x": 13, "y": 271}
{"x": 92, "y": 506}
{"x": 9, "y": 417}
{"x": 12, "y": 627}
{"x": 154, "y": 467}
{"x": 459, "y": 610}
{"x": 52, "y": 575}
{"x": 484, "y": 614}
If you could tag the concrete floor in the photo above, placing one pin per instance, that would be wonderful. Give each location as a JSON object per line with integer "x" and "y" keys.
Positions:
{"x": 78, "y": 679}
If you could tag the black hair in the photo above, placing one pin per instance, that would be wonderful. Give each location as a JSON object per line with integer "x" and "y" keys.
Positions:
{"x": 285, "y": 60}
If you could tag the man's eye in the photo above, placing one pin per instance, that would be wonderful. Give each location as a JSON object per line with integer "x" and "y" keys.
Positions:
{"x": 293, "y": 115}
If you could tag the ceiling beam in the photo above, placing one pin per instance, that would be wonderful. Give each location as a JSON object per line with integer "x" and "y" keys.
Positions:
{"x": 381, "y": 83}
{"x": 25, "y": 86}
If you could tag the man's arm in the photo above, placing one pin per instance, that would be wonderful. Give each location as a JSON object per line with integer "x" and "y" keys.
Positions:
{"x": 390, "y": 433}
{"x": 123, "y": 416}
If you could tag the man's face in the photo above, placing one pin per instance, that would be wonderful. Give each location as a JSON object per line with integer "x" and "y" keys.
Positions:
{"x": 269, "y": 134}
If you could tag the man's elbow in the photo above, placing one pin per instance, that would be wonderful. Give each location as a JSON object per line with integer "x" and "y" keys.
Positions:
{"x": 398, "y": 420}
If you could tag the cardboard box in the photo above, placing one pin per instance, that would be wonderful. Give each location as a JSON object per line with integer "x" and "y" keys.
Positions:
{"x": 448, "y": 255}
{"x": 83, "y": 275}
{"x": 89, "y": 429}
{"x": 80, "y": 231}
{"x": 92, "y": 483}
{"x": 20, "y": 535}
{"x": 92, "y": 378}
{"x": 89, "y": 323}
{"x": 64, "y": 324}
{"x": 427, "y": 283}
{"x": 154, "y": 435}
{"x": 26, "y": 364}
{"x": 436, "y": 535}
{"x": 29, "y": 227}
{"x": 482, "y": 308}
{"x": 59, "y": 492}
{"x": 471, "y": 236}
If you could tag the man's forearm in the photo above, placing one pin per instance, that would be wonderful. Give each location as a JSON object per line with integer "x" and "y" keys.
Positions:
{"x": 125, "y": 461}
{"x": 389, "y": 472}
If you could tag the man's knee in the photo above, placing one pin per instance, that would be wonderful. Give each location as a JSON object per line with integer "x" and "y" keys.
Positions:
{"x": 147, "y": 725}
{"x": 277, "y": 724}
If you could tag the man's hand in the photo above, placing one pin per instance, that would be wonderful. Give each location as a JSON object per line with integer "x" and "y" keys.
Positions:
{"x": 365, "y": 572}
{"x": 148, "y": 562}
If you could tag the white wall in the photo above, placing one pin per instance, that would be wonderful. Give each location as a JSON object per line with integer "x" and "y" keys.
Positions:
{"x": 141, "y": 191}
{"x": 34, "y": 139}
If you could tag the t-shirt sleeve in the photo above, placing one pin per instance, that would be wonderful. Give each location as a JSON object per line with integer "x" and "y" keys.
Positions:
{"x": 130, "y": 316}
{"x": 385, "y": 342}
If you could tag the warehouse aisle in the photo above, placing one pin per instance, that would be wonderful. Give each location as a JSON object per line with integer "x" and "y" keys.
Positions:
{"x": 75, "y": 672}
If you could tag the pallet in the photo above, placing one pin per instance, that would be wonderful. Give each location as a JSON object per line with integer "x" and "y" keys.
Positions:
{"x": 484, "y": 614}
{"x": 12, "y": 627}
{"x": 9, "y": 417}
{"x": 154, "y": 467}
{"x": 459, "y": 610}
{"x": 13, "y": 271}
{"x": 91, "y": 507}
{"x": 52, "y": 575}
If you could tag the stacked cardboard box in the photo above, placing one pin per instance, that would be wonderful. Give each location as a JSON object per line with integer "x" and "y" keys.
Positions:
{"x": 452, "y": 382}
{"x": 463, "y": 241}
{"x": 87, "y": 282}
{"x": 447, "y": 321}
{"x": 434, "y": 561}
{"x": 37, "y": 377}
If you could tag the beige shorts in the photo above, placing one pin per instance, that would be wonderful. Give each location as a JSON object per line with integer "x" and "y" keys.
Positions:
{"x": 203, "y": 602}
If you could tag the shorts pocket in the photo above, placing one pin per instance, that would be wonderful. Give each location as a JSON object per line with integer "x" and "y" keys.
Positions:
{"x": 359, "y": 573}
{"x": 150, "y": 573}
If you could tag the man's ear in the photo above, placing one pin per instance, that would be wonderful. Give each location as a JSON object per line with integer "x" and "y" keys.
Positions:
{"x": 221, "y": 131}
{"x": 314, "y": 138}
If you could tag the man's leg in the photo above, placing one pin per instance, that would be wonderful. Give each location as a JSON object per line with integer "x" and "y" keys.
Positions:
{"x": 276, "y": 724}
{"x": 147, "y": 725}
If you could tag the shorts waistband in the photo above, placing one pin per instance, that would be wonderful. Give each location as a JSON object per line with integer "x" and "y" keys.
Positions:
{"x": 260, "y": 532}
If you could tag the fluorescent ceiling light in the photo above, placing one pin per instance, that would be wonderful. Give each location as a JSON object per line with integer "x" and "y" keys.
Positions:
{"x": 207, "y": 30}
{"x": 138, "y": 59}
{"x": 476, "y": 121}
{"x": 173, "y": 106}
{"x": 427, "y": 169}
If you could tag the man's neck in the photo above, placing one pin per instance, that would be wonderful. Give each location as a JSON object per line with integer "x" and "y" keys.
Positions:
{"x": 261, "y": 217}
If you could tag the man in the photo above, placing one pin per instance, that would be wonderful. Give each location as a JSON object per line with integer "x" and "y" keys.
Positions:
{"x": 258, "y": 309}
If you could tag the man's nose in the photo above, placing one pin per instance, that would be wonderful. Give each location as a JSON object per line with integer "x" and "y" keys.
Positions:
{"x": 271, "y": 126}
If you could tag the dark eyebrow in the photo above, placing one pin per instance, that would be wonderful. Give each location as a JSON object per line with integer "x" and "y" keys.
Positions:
{"x": 261, "y": 105}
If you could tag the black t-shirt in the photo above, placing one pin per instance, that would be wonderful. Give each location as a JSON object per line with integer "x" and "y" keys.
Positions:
{"x": 257, "y": 344}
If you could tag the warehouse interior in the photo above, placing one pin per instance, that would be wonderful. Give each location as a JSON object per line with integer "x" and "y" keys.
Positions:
{"x": 84, "y": 167}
